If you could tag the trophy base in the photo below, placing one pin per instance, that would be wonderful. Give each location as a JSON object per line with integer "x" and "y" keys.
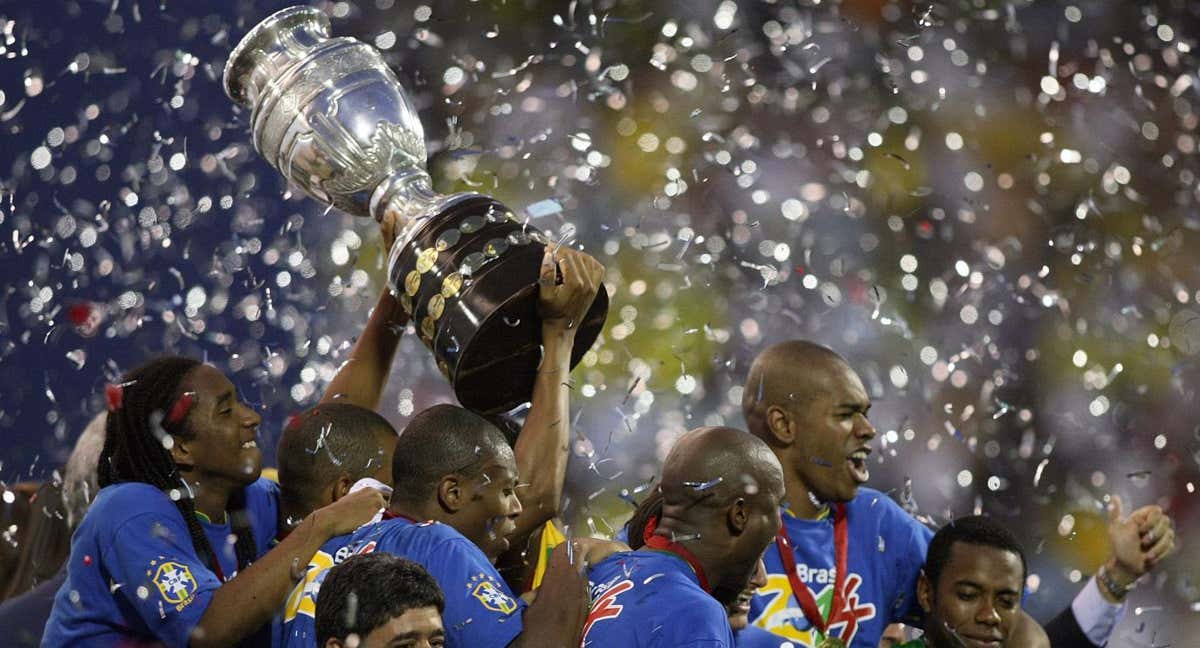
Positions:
{"x": 468, "y": 279}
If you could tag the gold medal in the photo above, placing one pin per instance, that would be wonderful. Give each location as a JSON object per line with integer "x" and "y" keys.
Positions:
{"x": 425, "y": 260}
{"x": 451, "y": 285}
{"x": 831, "y": 642}
{"x": 437, "y": 304}
{"x": 412, "y": 283}
{"x": 427, "y": 329}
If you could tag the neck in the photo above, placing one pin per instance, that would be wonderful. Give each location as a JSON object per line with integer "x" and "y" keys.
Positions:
{"x": 798, "y": 497}
{"x": 212, "y": 498}
{"x": 418, "y": 511}
{"x": 708, "y": 557}
{"x": 293, "y": 512}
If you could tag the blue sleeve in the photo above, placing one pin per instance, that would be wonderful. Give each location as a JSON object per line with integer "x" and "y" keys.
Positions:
{"x": 755, "y": 637}
{"x": 481, "y": 611}
{"x": 152, "y": 560}
{"x": 915, "y": 538}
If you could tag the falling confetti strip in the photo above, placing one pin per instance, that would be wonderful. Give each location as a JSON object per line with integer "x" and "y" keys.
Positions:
{"x": 989, "y": 210}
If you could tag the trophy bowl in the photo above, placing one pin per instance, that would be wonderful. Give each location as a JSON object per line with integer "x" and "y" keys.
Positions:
{"x": 331, "y": 116}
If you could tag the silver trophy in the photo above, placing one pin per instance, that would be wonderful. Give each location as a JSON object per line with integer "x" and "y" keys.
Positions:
{"x": 331, "y": 116}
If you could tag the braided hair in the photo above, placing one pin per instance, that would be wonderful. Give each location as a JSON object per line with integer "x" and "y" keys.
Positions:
{"x": 650, "y": 507}
{"x": 136, "y": 450}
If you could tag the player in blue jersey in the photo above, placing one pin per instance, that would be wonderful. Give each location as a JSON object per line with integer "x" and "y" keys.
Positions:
{"x": 378, "y": 600}
{"x": 744, "y": 634}
{"x": 179, "y": 445}
{"x": 540, "y": 450}
{"x": 453, "y": 509}
{"x": 845, "y": 562}
{"x": 454, "y": 505}
{"x": 721, "y": 491}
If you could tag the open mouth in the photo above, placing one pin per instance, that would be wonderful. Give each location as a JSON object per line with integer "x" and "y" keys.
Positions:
{"x": 250, "y": 444}
{"x": 857, "y": 462}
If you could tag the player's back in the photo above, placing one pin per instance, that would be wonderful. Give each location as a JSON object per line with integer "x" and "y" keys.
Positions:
{"x": 649, "y": 598}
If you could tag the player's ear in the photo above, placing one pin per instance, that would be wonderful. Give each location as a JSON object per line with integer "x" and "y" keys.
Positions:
{"x": 181, "y": 453}
{"x": 924, "y": 593}
{"x": 738, "y": 516}
{"x": 450, "y": 493}
{"x": 779, "y": 423}
{"x": 341, "y": 487}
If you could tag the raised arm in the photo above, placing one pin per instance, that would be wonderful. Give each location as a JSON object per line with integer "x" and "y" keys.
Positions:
{"x": 361, "y": 378}
{"x": 543, "y": 446}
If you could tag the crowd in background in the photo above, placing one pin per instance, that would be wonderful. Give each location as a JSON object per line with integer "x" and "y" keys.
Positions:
{"x": 988, "y": 210}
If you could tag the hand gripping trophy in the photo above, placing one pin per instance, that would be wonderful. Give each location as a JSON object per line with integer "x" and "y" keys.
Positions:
{"x": 331, "y": 116}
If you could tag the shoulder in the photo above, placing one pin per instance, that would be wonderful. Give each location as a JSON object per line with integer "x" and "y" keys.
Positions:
{"x": 756, "y": 637}
{"x": 262, "y": 490}
{"x": 119, "y": 503}
{"x": 883, "y": 508}
{"x": 423, "y": 540}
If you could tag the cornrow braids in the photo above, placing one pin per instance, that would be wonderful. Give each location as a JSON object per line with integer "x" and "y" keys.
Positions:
{"x": 136, "y": 450}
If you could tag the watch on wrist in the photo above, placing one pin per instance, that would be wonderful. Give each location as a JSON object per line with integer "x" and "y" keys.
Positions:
{"x": 1117, "y": 590}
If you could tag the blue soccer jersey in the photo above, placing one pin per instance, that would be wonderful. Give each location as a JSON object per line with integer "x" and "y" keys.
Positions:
{"x": 298, "y": 626}
{"x": 650, "y": 598}
{"x": 133, "y": 575}
{"x": 755, "y": 637}
{"x": 886, "y": 550}
{"x": 262, "y": 505}
{"x": 481, "y": 611}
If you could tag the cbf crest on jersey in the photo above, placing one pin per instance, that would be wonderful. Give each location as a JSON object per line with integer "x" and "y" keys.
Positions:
{"x": 175, "y": 583}
{"x": 490, "y": 595}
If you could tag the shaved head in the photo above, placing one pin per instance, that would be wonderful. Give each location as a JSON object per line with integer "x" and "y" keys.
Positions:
{"x": 806, "y": 402}
{"x": 787, "y": 374}
{"x": 721, "y": 491}
{"x": 710, "y": 467}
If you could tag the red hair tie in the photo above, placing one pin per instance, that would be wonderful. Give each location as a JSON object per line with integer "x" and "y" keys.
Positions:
{"x": 180, "y": 409}
{"x": 114, "y": 394}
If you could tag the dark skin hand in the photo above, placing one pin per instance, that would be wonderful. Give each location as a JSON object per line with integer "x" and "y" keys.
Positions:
{"x": 555, "y": 617}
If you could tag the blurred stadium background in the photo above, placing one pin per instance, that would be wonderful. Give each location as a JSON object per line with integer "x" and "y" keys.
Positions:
{"x": 989, "y": 207}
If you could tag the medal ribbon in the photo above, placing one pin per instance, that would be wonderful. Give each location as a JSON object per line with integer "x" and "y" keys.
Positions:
{"x": 661, "y": 543}
{"x": 803, "y": 595}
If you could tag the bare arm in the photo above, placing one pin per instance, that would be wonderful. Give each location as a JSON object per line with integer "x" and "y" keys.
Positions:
{"x": 247, "y": 602}
{"x": 542, "y": 448}
{"x": 361, "y": 378}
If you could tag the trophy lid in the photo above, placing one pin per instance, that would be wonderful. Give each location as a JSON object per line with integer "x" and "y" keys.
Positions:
{"x": 253, "y": 52}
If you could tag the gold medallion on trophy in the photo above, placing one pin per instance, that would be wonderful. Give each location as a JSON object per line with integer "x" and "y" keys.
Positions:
{"x": 425, "y": 260}
{"x": 451, "y": 285}
{"x": 412, "y": 283}
{"x": 437, "y": 304}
